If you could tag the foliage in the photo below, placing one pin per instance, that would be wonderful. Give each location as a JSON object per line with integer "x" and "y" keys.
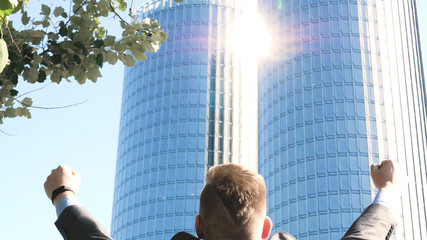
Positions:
{"x": 66, "y": 45}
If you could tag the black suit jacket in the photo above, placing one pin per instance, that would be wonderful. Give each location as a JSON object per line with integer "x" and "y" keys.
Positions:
{"x": 75, "y": 223}
{"x": 375, "y": 223}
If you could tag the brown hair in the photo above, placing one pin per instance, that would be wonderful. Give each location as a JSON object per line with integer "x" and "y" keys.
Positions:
{"x": 233, "y": 199}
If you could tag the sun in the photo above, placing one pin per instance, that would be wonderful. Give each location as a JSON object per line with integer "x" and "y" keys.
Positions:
{"x": 250, "y": 37}
{"x": 248, "y": 40}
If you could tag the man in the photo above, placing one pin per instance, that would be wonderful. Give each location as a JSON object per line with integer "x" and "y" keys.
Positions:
{"x": 377, "y": 221}
{"x": 232, "y": 206}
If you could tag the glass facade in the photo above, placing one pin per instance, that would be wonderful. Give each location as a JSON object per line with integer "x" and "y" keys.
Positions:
{"x": 177, "y": 117}
{"x": 344, "y": 89}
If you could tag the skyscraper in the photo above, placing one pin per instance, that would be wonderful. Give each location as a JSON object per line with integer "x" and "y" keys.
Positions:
{"x": 176, "y": 120}
{"x": 344, "y": 89}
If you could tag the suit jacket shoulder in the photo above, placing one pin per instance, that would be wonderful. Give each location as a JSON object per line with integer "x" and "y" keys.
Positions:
{"x": 375, "y": 223}
{"x": 184, "y": 236}
{"x": 75, "y": 223}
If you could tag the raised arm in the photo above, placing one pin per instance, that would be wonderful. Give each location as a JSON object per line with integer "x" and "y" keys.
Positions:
{"x": 74, "y": 222}
{"x": 377, "y": 221}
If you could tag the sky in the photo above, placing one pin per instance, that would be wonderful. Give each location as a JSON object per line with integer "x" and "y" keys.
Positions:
{"x": 83, "y": 137}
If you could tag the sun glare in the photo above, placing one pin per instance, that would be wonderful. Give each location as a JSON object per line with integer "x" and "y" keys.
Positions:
{"x": 248, "y": 40}
{"x": 250, "y": 37}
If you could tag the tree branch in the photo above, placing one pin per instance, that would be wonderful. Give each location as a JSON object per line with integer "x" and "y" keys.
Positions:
{"x": 34, "y": 90}
{"x": 74, "y": 13}
{"x": 51, "y": 108}
{"x": 121, "y": 19}
{"x": 10, "y": 34}
{"x": 7, "y": 134}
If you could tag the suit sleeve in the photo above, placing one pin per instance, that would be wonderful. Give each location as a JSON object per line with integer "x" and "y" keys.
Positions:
{"x": 375, "y": 223}
{"x": 75, "y": 223}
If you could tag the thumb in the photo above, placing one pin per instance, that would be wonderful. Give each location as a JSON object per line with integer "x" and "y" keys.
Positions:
{"x": 374, "y": 168}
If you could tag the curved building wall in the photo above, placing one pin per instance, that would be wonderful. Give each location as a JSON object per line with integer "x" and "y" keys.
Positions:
{"x": 312, "y": 123}
{"x": 399, "y": 86}
{"x": 345, "y": 89}
{"x": 176, "y": 120}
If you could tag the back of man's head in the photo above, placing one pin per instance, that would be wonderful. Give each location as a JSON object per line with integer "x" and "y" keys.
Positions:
{"x": 233, "y": 203}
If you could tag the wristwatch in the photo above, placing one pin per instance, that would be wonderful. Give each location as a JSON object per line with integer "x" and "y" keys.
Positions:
{"x": 60, "y": 190}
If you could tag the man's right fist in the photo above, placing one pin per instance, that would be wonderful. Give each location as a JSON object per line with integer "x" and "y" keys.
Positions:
{"x": 62, "y": 176}
{"x": 386, "y": 175}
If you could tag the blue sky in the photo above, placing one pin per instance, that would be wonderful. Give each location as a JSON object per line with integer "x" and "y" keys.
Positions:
{"x": 84, "y": 137}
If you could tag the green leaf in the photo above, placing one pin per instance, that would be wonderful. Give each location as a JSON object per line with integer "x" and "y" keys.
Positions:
{"x": 138, "y": 52}
{"x": 160, "y": 36}
{"x": 79, "y": 45}
{"x": 30, "y": 74}
{"x": 9, "y": 101}
{"x": 45, "y": 22}
{"x": 149, "y": 46}
{"x": 7, "y": 7}
{"x": 99, "y": 60}
{"x": 10, "y": 112}
{"x": 14, "y": 79}
{"x": 36, "y": 36}
{"x": 149, "y": 23}
{"x": 85, "y": 51}
{"x": 63, "y": 31}
{"x": 26, "y": 113}
{"x": 58, "y": 11}
{"x": 42, "y": 76}
{"x": 27, "y": 102}
{"x": 128, "y": 60}
{"x": 4, "y": 55}
{"x": 18, "y": 7}
{"x": 25, "y": 19}
{"x": 22, "y": 112}
{"x": 93, "y": 74}
{"x": 122, "y": 6}
{"x": 76, "y": 59}
{"x": 112, "y": 57}
{"x": 19, "y": 67}
{"x": 98, "y": 43}
{"x": 55, "y": 77}
{"x": 18, "y": 111}
{"x": 178, "y": 1}
{"x": 55, "y": 59}
{"x": 140, "y": 56}
{"x": 13, "y": 92}
{"x": 45, "y": 10}
{"x": 8, "y": 4}
{"x": 109, "y": 40}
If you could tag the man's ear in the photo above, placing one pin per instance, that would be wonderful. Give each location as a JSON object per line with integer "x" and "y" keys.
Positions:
{"x": 266, "y": 228}
{"x": 199, "y": 227}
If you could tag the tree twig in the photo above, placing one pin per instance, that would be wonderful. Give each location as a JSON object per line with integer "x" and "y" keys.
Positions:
{"x": 8, "y": 29}
{"x": 121, "y": 19}
{"x": 74, "y": 13}
{"x": 8, "y": 134}
{"x": 51, "y": 108}
{"x": 131, "y": 5}
{"x": 34, "y": 90}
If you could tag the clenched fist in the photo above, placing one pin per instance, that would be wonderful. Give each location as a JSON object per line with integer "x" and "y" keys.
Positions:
{"x": 386, "y": 175}
{"x": 62, "y": 176}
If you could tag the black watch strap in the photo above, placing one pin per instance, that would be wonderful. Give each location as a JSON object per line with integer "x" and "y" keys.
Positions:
{"x": 60, "y": 190}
